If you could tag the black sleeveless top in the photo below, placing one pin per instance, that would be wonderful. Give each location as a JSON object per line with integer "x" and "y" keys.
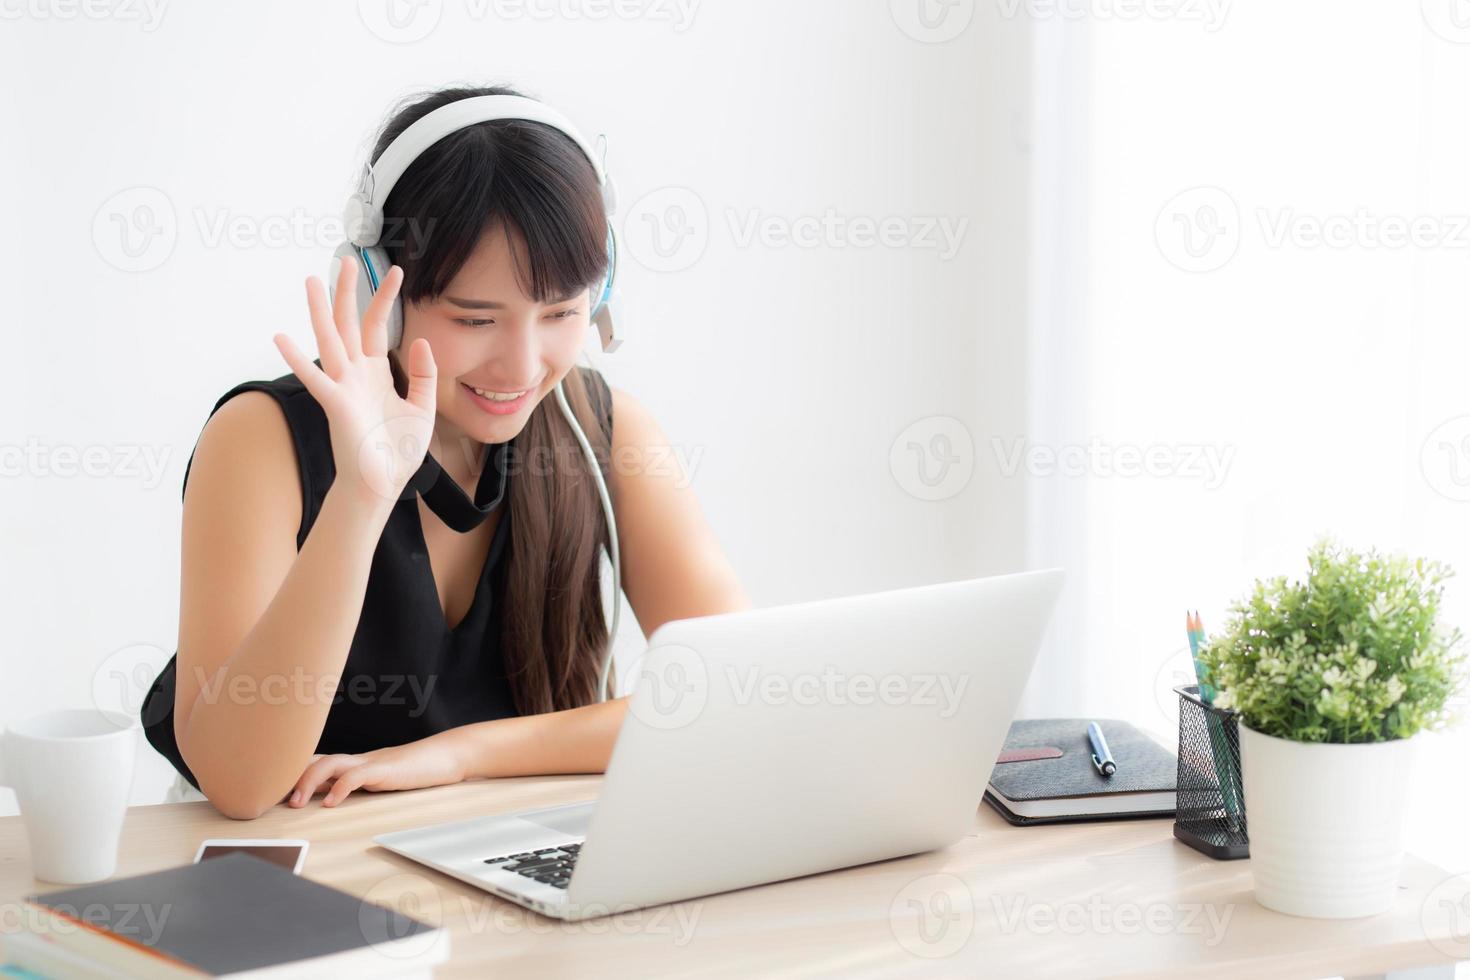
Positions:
{"x": 407, "y": 674}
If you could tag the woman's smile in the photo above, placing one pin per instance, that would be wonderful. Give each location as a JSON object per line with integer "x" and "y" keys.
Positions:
{"x": 497, "y": 403}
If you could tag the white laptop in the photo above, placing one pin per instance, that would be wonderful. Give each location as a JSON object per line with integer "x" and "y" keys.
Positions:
{"x": 773, "y": 743}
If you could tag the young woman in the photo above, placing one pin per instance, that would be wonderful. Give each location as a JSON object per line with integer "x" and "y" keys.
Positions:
{"x": 391, "y": 563}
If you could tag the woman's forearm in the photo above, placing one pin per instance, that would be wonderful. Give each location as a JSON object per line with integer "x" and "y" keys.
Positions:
{"x": 257, "y": 719}
{"x": 576, "y": 740}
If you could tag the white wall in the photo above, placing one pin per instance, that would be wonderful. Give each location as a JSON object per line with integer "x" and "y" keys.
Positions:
{"x": 786, "y": 373}
{"x": 1329, "y": 374}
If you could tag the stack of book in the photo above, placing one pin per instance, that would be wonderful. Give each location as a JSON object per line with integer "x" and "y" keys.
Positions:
{"x": 231, "y": 916}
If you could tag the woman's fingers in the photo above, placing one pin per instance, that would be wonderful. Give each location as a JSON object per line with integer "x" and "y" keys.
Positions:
{"x": 325, "y": 768}
{"x": 328, "y": 341}
{"x": 375, "y": 324}
{"x": 317, "y": 383}
{"x": 347, "y": 782}
{"x": 344, "y": 309}
{"x": 423, "y": 376}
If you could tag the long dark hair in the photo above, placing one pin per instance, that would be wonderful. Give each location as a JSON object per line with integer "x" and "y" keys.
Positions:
{"x": 533, "y": 178}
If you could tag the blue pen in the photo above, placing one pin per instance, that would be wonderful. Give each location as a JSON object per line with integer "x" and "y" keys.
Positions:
{"x": 1102, "y": 759}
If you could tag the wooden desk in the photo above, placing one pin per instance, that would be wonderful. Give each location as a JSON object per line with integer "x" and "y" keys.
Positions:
{"x": 1101, "y": 899}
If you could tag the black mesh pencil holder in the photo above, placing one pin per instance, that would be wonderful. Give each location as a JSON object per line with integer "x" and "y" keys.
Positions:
{"x": 1209, "y": 814}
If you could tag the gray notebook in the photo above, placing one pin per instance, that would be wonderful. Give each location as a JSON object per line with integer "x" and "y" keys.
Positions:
{"x": 1068, "y": 787}
{"x": 232, "y": 914}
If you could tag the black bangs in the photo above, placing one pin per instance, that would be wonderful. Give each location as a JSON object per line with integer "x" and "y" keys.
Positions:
{"x": 525, "y": 176}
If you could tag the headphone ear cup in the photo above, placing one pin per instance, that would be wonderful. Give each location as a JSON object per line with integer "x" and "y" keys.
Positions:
{"x": 378, "y": 259}
{"x": 372, "y": 265}
{"x": 600, "y": 295}
{"x": 603, "y": 293}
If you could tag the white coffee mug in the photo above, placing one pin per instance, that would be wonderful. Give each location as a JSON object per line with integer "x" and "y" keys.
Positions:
{"x": 71, "y": 771}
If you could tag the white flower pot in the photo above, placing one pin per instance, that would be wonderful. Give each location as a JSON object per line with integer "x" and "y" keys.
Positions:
{"x": 1325, "y": 822}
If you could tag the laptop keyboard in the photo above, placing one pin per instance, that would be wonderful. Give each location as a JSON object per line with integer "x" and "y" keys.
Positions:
{"x": 550, "y": 865}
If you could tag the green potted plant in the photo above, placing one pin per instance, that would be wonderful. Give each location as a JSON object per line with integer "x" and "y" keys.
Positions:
{"x": 1334, "y": 678}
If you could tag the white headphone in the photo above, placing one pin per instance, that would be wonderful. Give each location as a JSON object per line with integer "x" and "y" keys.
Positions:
{"x": 363, "y": 215}
{"x": 363, "y": 220}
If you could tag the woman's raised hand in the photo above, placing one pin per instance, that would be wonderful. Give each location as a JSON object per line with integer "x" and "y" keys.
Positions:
{"x": 378, "y": 439}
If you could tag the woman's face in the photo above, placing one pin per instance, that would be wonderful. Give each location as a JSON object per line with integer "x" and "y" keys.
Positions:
{"x": 487, "y": 334}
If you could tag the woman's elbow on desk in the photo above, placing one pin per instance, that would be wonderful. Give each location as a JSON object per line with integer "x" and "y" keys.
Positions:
{"x": 239, "y": 803}
{"x": 238, "y": 806}
{"x": 237, "y": 795}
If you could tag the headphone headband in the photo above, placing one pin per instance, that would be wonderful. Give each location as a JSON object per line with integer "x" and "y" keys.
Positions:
{"x": 363, "y": 216}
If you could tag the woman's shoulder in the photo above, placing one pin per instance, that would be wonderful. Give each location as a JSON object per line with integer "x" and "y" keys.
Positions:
{"x": 260, "y": 437}
{"x": 269, "y": 416}
{"x": 287, "y": 391}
